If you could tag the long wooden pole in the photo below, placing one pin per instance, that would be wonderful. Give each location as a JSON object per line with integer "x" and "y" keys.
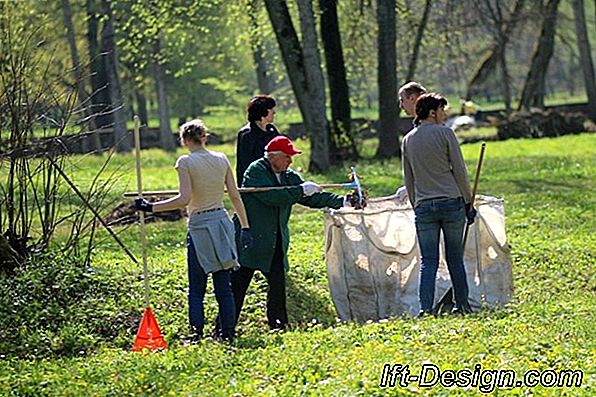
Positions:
{"x": 137, "y": 139}
{"x": 476, "y": 178}
{"x": 246, "y": 189}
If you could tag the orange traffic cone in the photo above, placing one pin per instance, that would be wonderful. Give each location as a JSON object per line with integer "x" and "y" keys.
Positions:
{"x": 149, "y": 336}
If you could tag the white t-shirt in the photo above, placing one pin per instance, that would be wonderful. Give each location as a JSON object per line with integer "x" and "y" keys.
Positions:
{"x": 207, "y": 172}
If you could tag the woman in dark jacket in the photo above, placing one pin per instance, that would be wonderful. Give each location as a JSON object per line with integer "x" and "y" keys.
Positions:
{"x": 254, "y": 136}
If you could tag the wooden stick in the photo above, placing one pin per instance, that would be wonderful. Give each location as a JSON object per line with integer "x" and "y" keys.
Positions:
{"x": 93, "y": 210}
{"x": 243, "y": 189}
{"x": 139, "y": 194}
{"x": 476, "y": 178}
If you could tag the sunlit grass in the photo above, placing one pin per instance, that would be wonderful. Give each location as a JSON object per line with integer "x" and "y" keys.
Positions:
{"x": 549, "y": 191}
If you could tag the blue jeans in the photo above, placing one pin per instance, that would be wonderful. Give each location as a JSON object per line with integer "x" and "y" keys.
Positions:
{"x": 433, "y": 216}
{"x": 197, "y": 285}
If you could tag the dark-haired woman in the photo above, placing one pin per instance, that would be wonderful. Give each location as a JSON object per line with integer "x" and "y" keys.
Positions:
{"x": 202, "y": 175}
{"x": 254, "y": 136}
{"x": 439, "y": 190}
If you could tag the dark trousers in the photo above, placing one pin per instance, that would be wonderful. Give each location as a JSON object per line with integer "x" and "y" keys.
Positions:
{"x": 277, "y": 315}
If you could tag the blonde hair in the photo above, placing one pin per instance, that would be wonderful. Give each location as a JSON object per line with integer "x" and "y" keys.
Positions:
{"x": 193, "y": 130}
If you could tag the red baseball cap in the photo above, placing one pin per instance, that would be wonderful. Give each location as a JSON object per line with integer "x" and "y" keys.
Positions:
{"x": 282, "y": 144}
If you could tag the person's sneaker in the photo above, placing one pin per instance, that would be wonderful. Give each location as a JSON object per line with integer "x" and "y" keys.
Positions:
{"x": 194, "y": 335}
{"x": 424, "y": 313}
{"x": 461, "y": 311}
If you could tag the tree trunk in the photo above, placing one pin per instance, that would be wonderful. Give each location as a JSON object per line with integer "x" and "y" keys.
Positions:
{"x": 83, "y": 98}
{"x": 505, "y": 81}
{"x": 583, "y": 44}
{"x": 258, "y": 52}
{"x": 100, "y": 97}
{"x": 341, "y": 142}
{"x": 142, "y": 106}
{"x": 417, "y": 42}
{"x": 319, "y": 129}
{"x": 491, "y": 58}
{"x": 387, "y": 80}
{"x": 166, "y": 140}
{"x": 294, "y": 60}
{"x": 122, "y": 140}
{"x": 533, "y": 91}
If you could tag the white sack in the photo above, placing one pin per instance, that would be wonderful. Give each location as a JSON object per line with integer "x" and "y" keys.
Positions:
{"x": 373, "y": 260}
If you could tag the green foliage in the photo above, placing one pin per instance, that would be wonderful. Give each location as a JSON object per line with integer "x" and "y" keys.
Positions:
{"x": 54, "y": 305}
{"x": 549, "y": 195}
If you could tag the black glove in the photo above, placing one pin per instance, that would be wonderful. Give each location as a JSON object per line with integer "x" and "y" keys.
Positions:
{"x": 354, "y": 200}
{"x": 143, "y": 205}
{"x": 470, "y": 213}
{"x": 246, "y": 238}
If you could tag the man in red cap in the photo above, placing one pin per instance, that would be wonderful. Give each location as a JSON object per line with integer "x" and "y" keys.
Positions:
{"x": 268, "y": 213}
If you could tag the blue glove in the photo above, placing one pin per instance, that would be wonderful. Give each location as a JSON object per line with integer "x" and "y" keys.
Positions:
{"x": 246, "y": 238}
{"x": 470, "y": 213}
{"x": 143, "y": 205}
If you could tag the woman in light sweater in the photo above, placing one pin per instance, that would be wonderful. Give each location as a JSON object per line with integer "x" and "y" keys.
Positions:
{"x": 438, "y": 188}
{"x": 202, "y": 176}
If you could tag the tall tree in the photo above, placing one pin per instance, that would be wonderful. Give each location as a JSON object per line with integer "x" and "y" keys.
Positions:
{"x": 100, "y": 97}
{"x": 108, "y": 45}
{"x": 166, "y": 139}
{"x": 387, "y": 80}
{"x": 304, "y": 70}
{"x": 501, "y": 26}
{"x": 583, "y": 44}
{"x": 258, "y": 51}
{"x": 418, "y": 42}
{"x": 534, "y": 86}
{"x": 341, "y": 142}
{"x": 83, "y": 98}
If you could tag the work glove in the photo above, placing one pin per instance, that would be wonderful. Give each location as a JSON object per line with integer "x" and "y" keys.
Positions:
{"x": 310, "y": 188}
{"x": 351, "y": 199}
{"x": 143, "y": 205}
{"x": 246, "y": 238}
{"x": 470, "y": 213}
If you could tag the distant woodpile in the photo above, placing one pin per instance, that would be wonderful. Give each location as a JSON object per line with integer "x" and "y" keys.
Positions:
{"x": 539, "y": 123}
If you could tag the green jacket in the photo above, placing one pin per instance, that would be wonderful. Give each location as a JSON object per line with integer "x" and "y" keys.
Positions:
{"x": 269, "y": 212}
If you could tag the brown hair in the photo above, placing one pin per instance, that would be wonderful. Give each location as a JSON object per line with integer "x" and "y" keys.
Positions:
{"x": 427, "y": 102}
{"x": 193, "y": 130}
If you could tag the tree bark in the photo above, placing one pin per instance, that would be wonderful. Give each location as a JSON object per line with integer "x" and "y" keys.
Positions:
{"x": 142, "y": 106}
{"x": 82, "y": 96}
{"x": 341, "y": 142}
{"x": 166, "y": 139}
{"x": 505, "y": 81}
{"x": 100, "y": 97}
{"x": 307, "y": 85}
{"x": 387, "y": 80}
{"x": 319, "y": 141}
{"x": 583, "y": 44}
{"x": 122, "y": 140}
{"x": 258, "y": 52}
{"x": 533, "y": 91}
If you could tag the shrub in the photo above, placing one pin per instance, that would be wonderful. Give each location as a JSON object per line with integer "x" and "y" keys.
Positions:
{"x": 54, "y": 306}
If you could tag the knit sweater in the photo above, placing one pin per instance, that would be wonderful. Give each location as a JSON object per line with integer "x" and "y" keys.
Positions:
{"x": 433, "y": 165}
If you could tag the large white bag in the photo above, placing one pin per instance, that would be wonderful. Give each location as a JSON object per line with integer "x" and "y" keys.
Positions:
{"x": 373, "y": 260}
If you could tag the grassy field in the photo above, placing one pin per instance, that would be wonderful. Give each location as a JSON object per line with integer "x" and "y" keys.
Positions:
{"x": 550, "y": 195}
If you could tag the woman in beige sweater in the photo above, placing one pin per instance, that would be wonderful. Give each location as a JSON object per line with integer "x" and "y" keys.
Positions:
{"x": 202, "y": 177}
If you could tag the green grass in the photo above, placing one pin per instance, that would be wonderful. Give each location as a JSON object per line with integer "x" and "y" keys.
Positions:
{"x": 549, "y": 191}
